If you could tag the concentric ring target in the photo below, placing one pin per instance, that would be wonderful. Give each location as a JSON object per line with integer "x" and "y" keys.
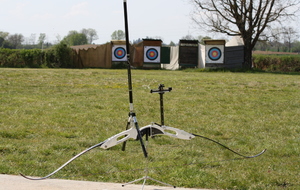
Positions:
{"x": 152, "y": 54}
{"x": 120, "y": 53}
{"x": 214, "y": 53}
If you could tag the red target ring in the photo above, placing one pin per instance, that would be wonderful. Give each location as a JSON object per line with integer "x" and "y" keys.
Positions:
{"x": 120, "y": 53}
{"x": 214, "y": 54}
{"x": 152, "y": 54}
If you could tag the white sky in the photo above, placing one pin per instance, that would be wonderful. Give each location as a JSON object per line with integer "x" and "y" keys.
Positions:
{"x": 168, "y": 19}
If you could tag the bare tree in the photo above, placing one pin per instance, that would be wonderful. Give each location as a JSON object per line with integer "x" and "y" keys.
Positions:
{"x": 248, "y": 18}
{"x": 15, "y": 40}
{"x": 91, "y": 34}
{"x": 290, "y": 35}
{"x": 42, "y": 39}
{"x": 31, "y": 40}
{"x": 276, "y": 36}
{"x": 58, "y": 39}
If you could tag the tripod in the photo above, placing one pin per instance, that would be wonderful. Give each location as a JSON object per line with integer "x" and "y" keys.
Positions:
{"x": 146, "y": 177}
{"x": 132, "y": 120}
{"x": 151, "y": 132}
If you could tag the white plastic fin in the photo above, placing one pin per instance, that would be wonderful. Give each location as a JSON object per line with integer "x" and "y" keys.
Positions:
{"x": 177, "y": 133}
{"x": 115, "y": 140}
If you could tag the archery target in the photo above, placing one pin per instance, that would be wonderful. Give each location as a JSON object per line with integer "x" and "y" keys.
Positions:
{"x": 214, "y": 54}
{"x": 152, "y": 54}
{"x": 119, "y": 53}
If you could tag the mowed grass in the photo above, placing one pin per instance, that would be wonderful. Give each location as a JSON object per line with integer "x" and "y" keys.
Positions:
{"x": 49, "y": 115}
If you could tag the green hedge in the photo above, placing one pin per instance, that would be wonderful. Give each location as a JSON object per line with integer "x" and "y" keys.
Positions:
{"x": 277, "y": 63}
{"x": 60, "y": 56}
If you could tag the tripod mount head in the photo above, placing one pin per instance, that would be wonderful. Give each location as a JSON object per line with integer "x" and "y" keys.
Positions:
{"x": 161, "y": 89}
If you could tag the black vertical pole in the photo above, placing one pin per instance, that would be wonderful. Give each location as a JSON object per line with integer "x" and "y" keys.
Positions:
{"x": 128, "y": 58}
{"x": 131, "y": 113}
{"x": 161, "y": 92}
{"x": 162, "y": 119}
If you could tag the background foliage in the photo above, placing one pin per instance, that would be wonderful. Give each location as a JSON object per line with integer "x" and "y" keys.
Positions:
{"x": 59, "y": 56}
{"x": 282, "y": 63}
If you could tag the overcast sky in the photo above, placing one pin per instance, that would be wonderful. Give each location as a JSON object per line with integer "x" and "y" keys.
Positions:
{"x": 168, "y": 19}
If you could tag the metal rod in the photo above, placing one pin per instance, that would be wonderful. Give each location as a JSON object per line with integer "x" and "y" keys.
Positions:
{"x": 162, "y": 118}
{"x": 161, "y": 92}
{"x": 128, "y": 58}
{"x": 131, "y": 113}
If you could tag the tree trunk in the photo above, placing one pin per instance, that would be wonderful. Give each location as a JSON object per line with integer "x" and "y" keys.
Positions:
{"x": 247, "y": 57}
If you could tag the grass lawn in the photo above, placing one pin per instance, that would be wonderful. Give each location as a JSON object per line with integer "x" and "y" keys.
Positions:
{"x": 49, "y": 115}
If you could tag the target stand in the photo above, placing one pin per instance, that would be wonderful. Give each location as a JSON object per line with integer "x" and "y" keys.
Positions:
{"x": 151, "y": 50}
{"x": 214, "y": 51}
{"x": 152, "y": 54}
{"x": 119, "y": 53}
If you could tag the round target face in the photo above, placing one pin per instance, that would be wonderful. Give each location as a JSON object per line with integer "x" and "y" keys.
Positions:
{"x": 214, "y": 53}
{"x": 152, "y": 54}
{"x": 120, "y": 53}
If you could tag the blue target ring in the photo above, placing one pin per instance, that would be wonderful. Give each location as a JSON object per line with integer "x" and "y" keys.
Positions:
{"x": 120, "y": 53}
{"x": 214, "y": 53}
{"x": 152, "y": 54}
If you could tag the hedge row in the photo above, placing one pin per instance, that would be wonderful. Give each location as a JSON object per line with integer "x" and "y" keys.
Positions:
{"x": 59, "y": 56}
{"x": 277, "y": 63}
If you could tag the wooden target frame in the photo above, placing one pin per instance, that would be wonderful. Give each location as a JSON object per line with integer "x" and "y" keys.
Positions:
{"x": 214, "y": 54}
{"x": 152, "y": 54}
{"x": 119, "y": 53}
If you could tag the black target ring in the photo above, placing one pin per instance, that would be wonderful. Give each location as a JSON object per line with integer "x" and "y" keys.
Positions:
{"x": 214, "y": 53}
{"x": 152, "y": 54}
{"x": 120, "y": 53}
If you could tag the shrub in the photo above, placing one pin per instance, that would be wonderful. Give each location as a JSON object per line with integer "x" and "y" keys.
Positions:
{"x": 63, "y": 55}
{"x": 276, "y": 63}
{"x": 10, "y": 58}
{"x": 32, "y": 58}
{"x": 49, "y": 58}
{"x": 58, "y": 56}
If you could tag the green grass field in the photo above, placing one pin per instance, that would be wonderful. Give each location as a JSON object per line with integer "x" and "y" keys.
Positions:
{"x": 49, "y": 115}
